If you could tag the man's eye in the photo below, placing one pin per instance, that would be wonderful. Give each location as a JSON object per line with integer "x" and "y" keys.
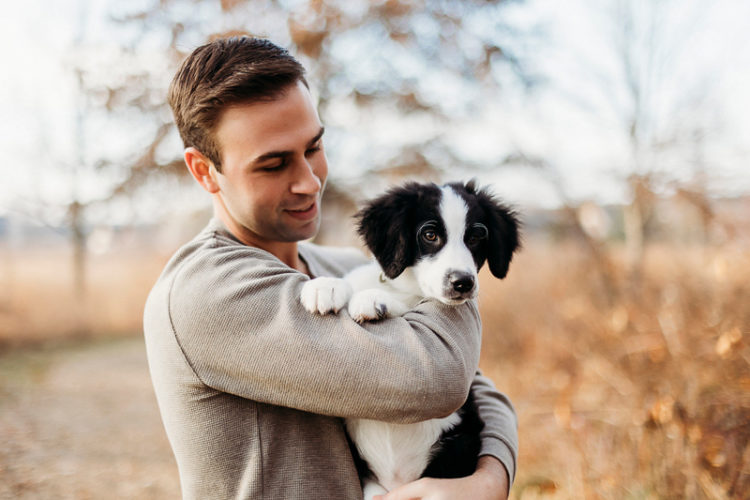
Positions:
{"x": 274, "y": 167}
{"x": 314, "y": 149}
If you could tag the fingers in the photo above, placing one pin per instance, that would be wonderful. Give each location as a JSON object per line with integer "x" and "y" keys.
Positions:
{"x": 417, "y": 490}
{"x": 474, "y": 487}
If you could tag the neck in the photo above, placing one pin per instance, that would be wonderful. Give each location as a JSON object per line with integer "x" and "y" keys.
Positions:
{"x": 286, "y": 252}
{"x": 406, "y": 283}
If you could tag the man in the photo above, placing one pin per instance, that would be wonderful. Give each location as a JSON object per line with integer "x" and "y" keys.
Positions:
{"x": 252, "y": 388}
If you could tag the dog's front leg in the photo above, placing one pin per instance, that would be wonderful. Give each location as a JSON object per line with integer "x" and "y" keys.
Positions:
{"x": 325, "y": 295}
{"x": 373, "y": 304}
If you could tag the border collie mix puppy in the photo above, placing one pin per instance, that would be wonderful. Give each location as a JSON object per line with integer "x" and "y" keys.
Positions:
{"x": 429, "y": 242}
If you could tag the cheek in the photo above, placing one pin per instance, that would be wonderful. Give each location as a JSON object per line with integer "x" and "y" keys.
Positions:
{"x": 266, "y": 193}
{"x": 428, "y": 274}
{"x": 255, "y": 203}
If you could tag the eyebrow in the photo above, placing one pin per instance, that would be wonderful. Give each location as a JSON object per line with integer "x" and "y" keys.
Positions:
{"x": 285, "y": 154}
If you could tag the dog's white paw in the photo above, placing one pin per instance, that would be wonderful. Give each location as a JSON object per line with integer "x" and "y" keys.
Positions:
{"x": 325, "y": 295}
{"x": 371, "y": 488}
{"x": 374, "y": 304}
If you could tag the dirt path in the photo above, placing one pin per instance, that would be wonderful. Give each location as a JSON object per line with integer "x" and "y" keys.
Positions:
{"x": 81, "y": 422}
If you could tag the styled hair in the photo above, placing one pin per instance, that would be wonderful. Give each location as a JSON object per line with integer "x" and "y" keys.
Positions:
{"x": 222, "y": 73}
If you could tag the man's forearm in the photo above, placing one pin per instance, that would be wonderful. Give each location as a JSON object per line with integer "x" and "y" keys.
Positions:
{"x": 499, "y": 437}
{"x": 405, "y": 369}
{"x": 493, "y": 475}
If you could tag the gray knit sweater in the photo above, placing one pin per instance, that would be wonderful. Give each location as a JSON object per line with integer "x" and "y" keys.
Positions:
{"x": 252, "y": 388}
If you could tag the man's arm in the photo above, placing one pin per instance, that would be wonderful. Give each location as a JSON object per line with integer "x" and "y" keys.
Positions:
{"x": 500, "y": 433}
{"x": 241, "y": 327}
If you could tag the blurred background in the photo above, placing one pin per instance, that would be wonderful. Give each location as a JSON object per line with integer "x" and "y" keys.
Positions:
{"x": 618, "y": 129}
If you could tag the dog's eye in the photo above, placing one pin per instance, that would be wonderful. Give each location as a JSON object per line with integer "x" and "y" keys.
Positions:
{"x": 476, "y": 233}
{"x": 430, "y": 235}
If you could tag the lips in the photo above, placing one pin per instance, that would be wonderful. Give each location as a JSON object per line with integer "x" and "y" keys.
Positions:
{"x": 304, "y": 213}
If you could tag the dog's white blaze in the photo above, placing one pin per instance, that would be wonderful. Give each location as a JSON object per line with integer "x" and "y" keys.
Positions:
{"x": 454, "y": 256}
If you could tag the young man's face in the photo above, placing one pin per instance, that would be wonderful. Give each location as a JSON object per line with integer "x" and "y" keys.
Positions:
{"x": 273, "y": 168}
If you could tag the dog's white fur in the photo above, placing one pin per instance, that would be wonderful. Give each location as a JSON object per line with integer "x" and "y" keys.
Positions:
{"x": 398, "y": 453}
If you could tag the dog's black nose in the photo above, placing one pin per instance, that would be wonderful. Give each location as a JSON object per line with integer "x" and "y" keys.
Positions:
{"x": 461, "y": 282}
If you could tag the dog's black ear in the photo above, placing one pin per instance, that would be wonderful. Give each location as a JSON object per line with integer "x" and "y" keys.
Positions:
{"x": 503, "y": 227}
{"x": 386, "y": 226}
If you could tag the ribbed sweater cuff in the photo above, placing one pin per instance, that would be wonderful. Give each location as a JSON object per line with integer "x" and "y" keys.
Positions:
{"x": 499, "y": 449}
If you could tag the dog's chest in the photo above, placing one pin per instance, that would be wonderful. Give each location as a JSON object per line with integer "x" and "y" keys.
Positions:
{"x": 398, "y": 453}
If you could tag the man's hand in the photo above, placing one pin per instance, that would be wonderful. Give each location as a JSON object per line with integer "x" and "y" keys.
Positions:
{"x": 489, "y": 482}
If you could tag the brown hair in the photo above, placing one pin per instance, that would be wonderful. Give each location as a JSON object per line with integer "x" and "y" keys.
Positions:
{"x": 222, "y": 73}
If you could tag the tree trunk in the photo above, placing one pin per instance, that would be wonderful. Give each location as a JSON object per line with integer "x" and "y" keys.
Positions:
{"x": 78, "y": 241}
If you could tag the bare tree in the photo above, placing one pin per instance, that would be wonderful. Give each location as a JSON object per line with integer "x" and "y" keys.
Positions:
{"x": 377, "y": 55}
{"x": 633, "y": 85}
{"x": 374, "y": 54}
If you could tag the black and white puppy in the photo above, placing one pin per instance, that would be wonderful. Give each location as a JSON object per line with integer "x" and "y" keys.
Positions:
{"x": 429, "y": 241}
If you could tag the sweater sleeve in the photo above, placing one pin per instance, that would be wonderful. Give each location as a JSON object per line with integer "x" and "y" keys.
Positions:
{"x": 500, "y": 434}
{"x": 242, "y": 329}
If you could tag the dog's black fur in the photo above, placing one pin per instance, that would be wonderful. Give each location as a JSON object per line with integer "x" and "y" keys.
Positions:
{"x": 457, "y": 451}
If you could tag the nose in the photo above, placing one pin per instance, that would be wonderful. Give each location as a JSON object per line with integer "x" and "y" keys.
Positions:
{"x": 306, "y": 180}
{"x": 461, "y": 282}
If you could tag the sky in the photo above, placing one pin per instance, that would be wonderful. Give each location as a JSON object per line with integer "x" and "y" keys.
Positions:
{"x": 571, "y": 122}
{"x": 584, "y": 142}
{"x": 705, "y": 76}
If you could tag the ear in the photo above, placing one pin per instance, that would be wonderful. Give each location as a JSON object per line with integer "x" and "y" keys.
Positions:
{"x": 202, "y": 169}
{"x": 386, "y": 226}
{"x": 503, "y": 239}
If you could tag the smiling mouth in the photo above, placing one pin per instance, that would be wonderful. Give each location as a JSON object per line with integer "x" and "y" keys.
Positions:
{"x": 304, "y": 213}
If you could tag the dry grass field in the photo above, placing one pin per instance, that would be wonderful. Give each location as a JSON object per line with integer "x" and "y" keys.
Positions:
{"x": 644, "y": 393}
{"x": 626, "y": 391}
{"x": 38, "y": 301}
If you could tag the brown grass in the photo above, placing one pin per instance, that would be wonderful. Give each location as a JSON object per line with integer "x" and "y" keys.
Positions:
{"x": 645, "y": 394}
{"x": 642, "y": 394}
{"x": 38, "y": 301}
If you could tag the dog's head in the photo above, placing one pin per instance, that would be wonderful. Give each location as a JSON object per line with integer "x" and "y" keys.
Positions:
{"x": 444, "y": 233}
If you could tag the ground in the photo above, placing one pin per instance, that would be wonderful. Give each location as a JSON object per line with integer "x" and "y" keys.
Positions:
{"x": 81, "y": 421}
